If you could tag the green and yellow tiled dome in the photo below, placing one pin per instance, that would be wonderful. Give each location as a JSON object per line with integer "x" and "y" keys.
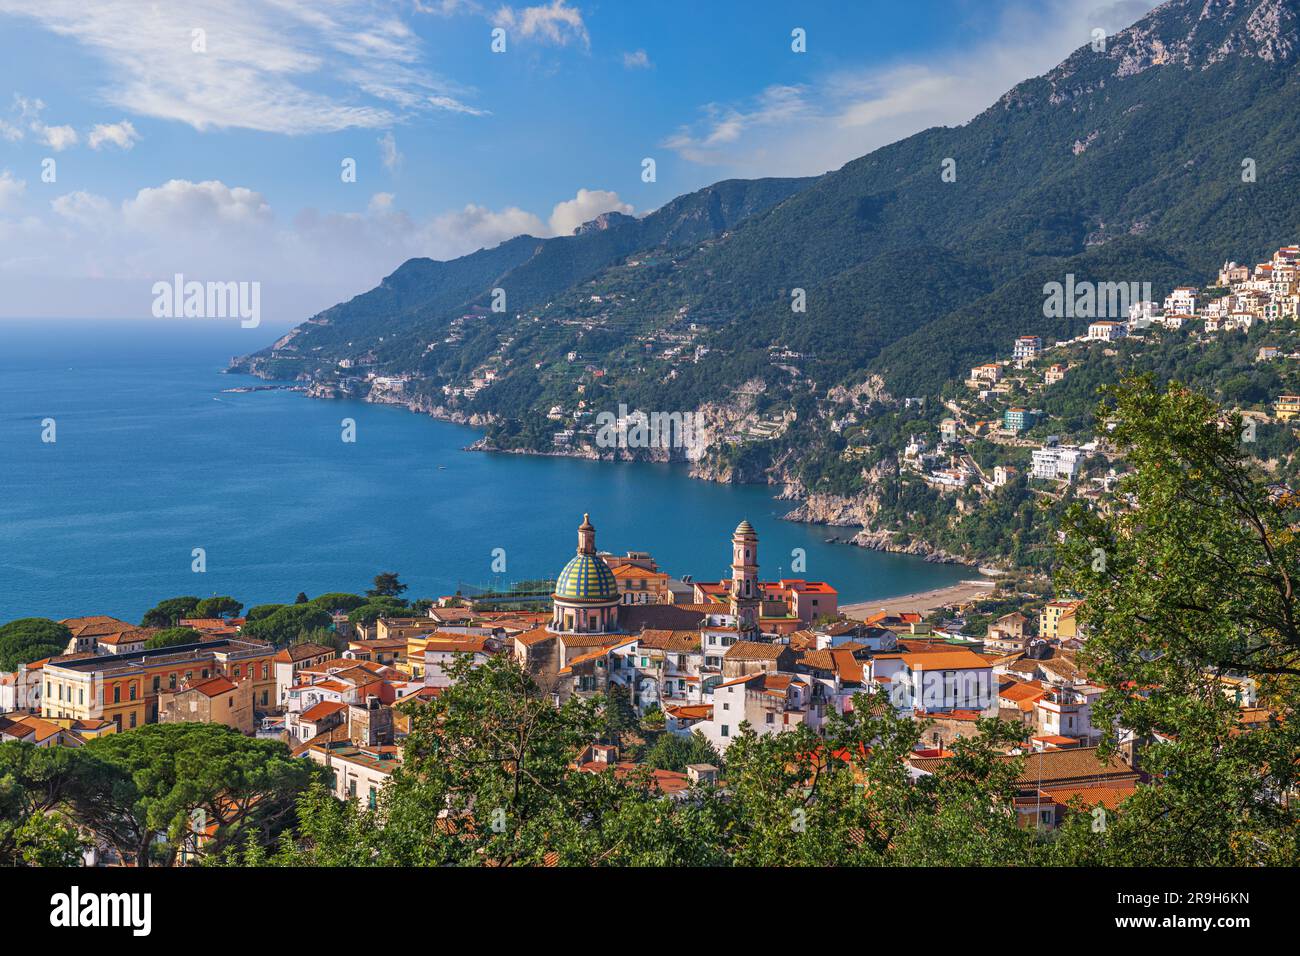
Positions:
{"x": 586, "y": 578}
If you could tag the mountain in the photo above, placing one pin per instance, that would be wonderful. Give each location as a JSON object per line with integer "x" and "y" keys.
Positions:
{"x": 1124, "y": 163}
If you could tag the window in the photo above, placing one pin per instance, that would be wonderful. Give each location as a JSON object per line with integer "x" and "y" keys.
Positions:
{"x": 131, "y": 690}
{"x": 236, "y": 672}
{"x": 117, "y": 693}
{"x": 171, "y": 681}
{"x": 771, "y": 717}
{"x": 265, "y": 670}
{"x": 726, "y": 731}
{"x": 133, "y": 718}
{"x": 81, "y": 695}
{"x": 157, "y": 682}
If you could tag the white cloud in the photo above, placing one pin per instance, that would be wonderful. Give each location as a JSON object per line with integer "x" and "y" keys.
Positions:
{"x": 273, "y": 67}
{"x": 827, "y": 121}
{"x": 11, "y": 189}
{"x": 389, "y": 154}
{"x": 556, "y": 22}
{"x": 58, "y": 138}
{"x": 638, "y": 60}
{"x": 452, "y": 105}
{"x": 182, "y": 204}
{"x": 122, "y": 135}
{"x": 10, "y": 132}
{"x": 212, "y": 230}
{"x": 84, "y": 209}
{"x": 586, "y": 205}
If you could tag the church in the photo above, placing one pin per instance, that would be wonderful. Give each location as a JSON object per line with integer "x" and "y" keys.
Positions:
{"x": 587, "y": 602}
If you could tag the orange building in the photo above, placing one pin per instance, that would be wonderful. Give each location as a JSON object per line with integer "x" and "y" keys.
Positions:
{"x": 124, "y": 688}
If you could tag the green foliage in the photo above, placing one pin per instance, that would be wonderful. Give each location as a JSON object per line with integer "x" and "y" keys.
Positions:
{"x": 1191, "y": 587}
{"x": 171, "y": 636}
{"x": 338, "y": 601}
{"x": 30, "y": 639}
{"x": 145, "y": 789}
{"x": 167, "y": 613}
{"x": 674, "y": 752}
{"x": 222, "y": 606}
{"x": 386, "y": 585}
{"x": 286, "y": 623}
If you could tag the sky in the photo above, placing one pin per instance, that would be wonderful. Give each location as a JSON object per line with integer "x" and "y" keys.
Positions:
{"x": 214, "y": 138}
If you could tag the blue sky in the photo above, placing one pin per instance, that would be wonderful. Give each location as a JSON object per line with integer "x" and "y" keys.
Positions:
{"x": 224, "y": 162}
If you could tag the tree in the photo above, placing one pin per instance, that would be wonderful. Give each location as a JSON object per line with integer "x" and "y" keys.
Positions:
{"x": 167, "y": 613}
{"x": 286, "y": 623}
{"x": 171, "y": 636}
{"x": 1188, "y": 588}
{"x": 675, "y": 752}
{"x": 30, "y": 639}
{"x": 222, "y": 606}
{"x": 35, "y": 782}
{"x": 376, "y": 608}
{"x": 338, "y": 601}
{"x": 301, "y": 598}
{"x": 151, "y": 788}
{"x": 259, "y": 611}
{"x": 386, "y": 585}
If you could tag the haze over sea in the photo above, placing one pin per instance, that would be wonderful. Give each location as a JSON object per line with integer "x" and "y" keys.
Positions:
{"x": 153, "y": 459}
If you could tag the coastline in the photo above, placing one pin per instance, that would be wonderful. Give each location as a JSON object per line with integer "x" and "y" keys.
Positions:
{"x": 923, "y": 601}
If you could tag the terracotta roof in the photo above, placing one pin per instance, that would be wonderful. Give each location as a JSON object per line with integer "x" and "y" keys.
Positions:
{"x": 754, "y": 651}
{"x": 301, "y": 652}
{"x": 670, "y": 640}
{"x": 321, "y": 710}
{"x": 945, "y": 660}
{"x": 212, "y": 686}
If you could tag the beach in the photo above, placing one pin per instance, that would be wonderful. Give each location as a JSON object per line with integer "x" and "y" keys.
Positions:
{"x": 923, "y": 601}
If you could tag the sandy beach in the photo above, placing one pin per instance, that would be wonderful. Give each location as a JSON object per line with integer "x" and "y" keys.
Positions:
{"x": 923, "y": 601}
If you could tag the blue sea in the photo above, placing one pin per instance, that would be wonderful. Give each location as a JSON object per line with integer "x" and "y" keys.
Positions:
{"x": 153, "y": 459}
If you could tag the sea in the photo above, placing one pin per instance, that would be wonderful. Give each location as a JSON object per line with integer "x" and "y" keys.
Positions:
{"x": 130, "y": 473}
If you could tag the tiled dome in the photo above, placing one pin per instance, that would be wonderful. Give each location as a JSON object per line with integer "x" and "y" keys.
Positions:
{"x": 586, "y": 578}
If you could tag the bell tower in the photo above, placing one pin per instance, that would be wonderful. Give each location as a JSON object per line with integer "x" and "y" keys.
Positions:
{"x": 746, "y": 596}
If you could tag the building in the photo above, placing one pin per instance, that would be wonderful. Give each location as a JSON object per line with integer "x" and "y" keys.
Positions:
{"x": 938, "y": 682}
{"x": 641, "y": 585}
{"x": 1019, "y": 419}
{"x": 87, "y": 631}
{"x": 1287, "y": 407}
{"x": 291, "y": 660}
{"x": 1059, "y": 621}
{"x": 217, "y": 700}
{"x": 1026, "y": 349}
{"x": 124, "y": 688}
{"x": 1003, "y": 475}
{"x": 1107, "y": 331}
{"x": 768, "y": 702}
{"x": 1056, "y": 462}
{"x": 356, "y": 773}
{"x": 1055, "y": 373}
{"x": 586, "y": 597}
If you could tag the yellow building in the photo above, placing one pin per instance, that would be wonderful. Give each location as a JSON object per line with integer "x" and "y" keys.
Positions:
{"x": 1287, "y": 407}
{"x": 639, "y": 585}
{"x": 1059, "y": 620}
{"x": 123, "y": 688}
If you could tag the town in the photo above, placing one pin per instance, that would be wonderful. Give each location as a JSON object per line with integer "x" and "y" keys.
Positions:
{"x": 701, "y": 661}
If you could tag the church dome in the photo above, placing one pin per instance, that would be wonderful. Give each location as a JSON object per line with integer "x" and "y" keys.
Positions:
{"x": 586, "y": 578}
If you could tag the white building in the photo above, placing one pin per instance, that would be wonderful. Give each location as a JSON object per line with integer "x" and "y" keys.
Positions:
{"x": 1107, "y": 331}
{"x": 1056, "y": 461}
{"x": 1027, "y": 348}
